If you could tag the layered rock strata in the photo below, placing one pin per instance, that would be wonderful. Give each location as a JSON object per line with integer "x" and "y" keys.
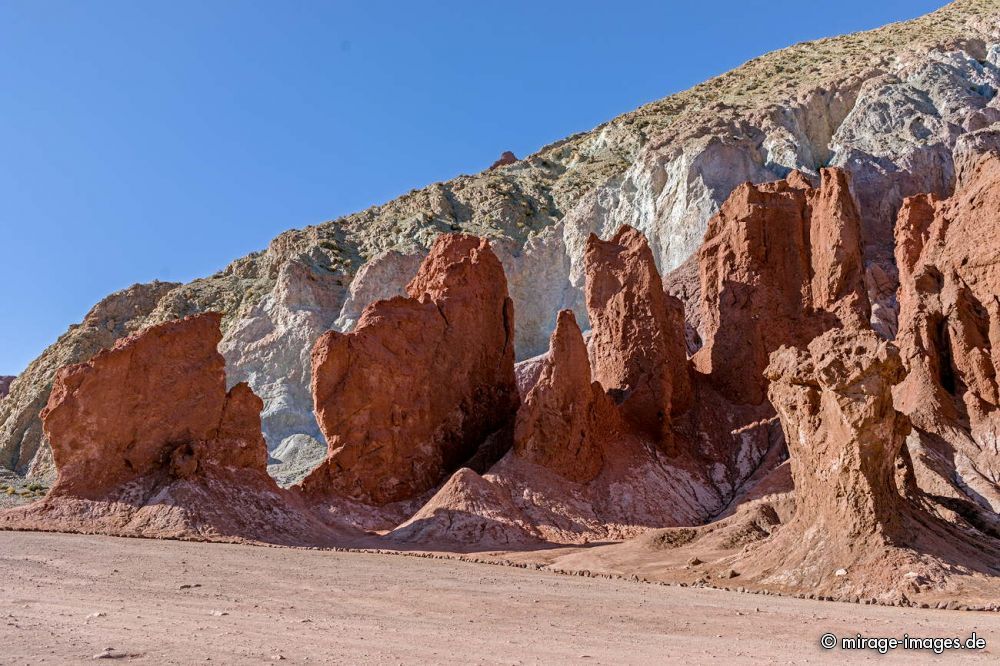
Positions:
{"x": 852, "y": 531}
{"x": 890, "y": 105}
{"x": 596, "y": 454}
{"x": 843, "y": 435}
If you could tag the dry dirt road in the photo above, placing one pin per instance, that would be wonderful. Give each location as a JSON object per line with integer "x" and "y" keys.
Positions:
{"x": 67, "y": 598}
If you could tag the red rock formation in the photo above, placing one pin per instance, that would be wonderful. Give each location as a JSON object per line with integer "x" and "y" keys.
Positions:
{"x": 852, "y": 532}
{"x": 5, "y": 383}
{"x": 781, "y": 263}
{"x": 566, "y": 420}
{"x": 421, "y": 382}
{"x": 948, "y": 253}
{"x": 156, "y": 395}
{"x": 506, "y": 158}
{"x": 147, "y": 442}
{"x": 638, "y": 350}
{"x": 843, "y": 434}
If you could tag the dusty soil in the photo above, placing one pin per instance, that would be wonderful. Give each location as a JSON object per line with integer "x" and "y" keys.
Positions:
{"x": 66, "y": 598}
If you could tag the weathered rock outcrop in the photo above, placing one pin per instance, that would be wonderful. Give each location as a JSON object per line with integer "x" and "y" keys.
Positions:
{"x": 420, "y": 383}
{"x": 147, "y": 442}
{"x": 638, "y": 350}
{"x": 157, "y": 399}
{"x": 948, "y": 254}
{"x": 781, "y": 263}
{"x": 600, "y": 459}
{"x": 620, "y": 434}
{"x": 852, "y": 532}
{"x": 5, "y": 383}
{"x": 117, "y": 316}
{"x": 566, "y": 420}
{"x": 843, "y": 435}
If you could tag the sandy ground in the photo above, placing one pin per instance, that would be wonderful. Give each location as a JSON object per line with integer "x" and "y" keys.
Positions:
{"x": 66, "y": 598}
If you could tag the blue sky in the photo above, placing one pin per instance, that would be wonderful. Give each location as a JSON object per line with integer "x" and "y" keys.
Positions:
{"x": 143, "y": 140}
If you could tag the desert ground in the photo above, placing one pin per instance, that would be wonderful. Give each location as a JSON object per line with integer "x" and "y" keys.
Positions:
{"x": 70, "y": 598}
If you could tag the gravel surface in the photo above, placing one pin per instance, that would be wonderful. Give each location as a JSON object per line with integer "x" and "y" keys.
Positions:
{"x": 73, "y": 598}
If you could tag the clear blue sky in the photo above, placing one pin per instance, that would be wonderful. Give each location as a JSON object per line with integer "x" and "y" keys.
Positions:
{"x": 143, "y": 140}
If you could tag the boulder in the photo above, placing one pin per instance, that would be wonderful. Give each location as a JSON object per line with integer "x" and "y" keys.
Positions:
{"x": 420, "y": 383}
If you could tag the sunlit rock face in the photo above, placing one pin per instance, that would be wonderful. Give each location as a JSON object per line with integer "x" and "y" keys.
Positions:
{"x": 781, "y": 263}
{"x": 147, "y": 441}
{"x": 420, "y": 383}
{"x": 566, "y": 419}
{"x": 637, "y": 348}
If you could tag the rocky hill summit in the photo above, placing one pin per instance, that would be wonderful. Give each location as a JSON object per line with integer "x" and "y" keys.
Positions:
{"x": 894, "y": 108}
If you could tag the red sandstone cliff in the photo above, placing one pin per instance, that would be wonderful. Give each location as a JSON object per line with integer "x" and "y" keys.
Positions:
{"x": 421, "y": 382}
{"x": 781, "y": 263}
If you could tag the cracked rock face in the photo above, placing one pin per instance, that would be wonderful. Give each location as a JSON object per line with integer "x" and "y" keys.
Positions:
{"x": 781, "y": 263}
{"x": 853, "y": 531}
{"x": 949, "y": 262}
{"x": 899, "y": 140}
{"x": 595, "y": 461}
{"x": 5, "y": 383}
{"x": 420, "y": 383}
{"x": 843, "y": 433}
